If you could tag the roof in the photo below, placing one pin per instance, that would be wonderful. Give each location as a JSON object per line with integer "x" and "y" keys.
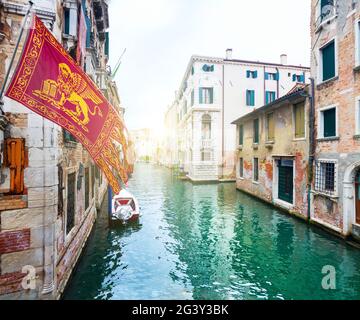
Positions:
{"x": 298, "y": 90}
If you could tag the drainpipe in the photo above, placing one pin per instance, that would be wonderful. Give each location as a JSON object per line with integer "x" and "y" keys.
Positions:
{"x": 312, "y": 146}
{"x": 264, "y": 86}
{"x": 223, "y": 122}
{"x": 278, "y": 84}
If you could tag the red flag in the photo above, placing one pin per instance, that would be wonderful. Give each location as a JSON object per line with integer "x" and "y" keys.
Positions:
{"x": 49, "y": 82}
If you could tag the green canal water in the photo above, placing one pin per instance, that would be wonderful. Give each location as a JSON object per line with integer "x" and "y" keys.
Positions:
{"x": 209, "y": 242}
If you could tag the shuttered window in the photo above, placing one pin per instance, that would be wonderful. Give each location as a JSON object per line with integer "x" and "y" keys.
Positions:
{"x": 16, "y": 161}
{"x": 250, "y": 98}
{"x": 241, "y": 168}
{"x": 70, "y": 210}
{"x": 241, "y": 135}
{"x": 270, "y": 125}
{"x": 328, "y": 61}
{"x": 206, "y": 95}
{"x": 256, "y": 170}
{"x": 251, "y": 74}
{"x": 299, "y": 110}
{"x": 270, "y": 96}
{"x": 256, "y": 131}
{"x": 66, "y": 21}
{"x": 87, "y": 188}
{"x": 329, "y": 123}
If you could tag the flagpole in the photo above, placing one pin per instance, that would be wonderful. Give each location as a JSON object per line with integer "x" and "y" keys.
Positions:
{"x": 14, "y": 54}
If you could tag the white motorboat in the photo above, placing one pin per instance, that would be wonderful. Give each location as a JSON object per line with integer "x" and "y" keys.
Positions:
{"x": 125, "y": 207}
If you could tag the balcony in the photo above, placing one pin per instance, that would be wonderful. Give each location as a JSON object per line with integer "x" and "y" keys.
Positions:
{"x": 206, "y": 143}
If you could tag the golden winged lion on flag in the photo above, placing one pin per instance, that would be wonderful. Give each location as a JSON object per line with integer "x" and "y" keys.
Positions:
{"x": 70, "y": 87}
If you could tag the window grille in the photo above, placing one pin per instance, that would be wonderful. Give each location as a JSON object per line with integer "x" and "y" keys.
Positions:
{"x": 325, "y": 178}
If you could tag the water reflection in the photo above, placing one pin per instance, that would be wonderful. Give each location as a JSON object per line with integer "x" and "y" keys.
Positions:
{"x": 210, "y": 242}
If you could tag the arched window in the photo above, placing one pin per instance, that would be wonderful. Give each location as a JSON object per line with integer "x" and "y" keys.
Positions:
{"x": 206, "y": 126}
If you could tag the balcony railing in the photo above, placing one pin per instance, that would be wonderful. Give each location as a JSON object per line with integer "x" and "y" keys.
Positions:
{"x": 206, "y": 143}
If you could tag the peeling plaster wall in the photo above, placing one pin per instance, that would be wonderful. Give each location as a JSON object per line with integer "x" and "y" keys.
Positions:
{"x": 284, "y": 145}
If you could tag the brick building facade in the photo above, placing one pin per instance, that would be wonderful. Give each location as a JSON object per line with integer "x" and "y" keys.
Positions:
{"x": 335, "y": 68}
{"x": 50, "y": 188}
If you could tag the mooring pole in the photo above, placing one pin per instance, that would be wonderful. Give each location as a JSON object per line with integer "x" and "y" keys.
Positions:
{"x": 109, "y": 200}
{"x": 14, "y": 55}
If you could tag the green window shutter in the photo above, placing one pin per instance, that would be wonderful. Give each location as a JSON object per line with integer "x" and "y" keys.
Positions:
{"x": 252, "y": 98}
{"x": 107, "y": 44}
{"x": 67, "y": 21}
{"x": 329, "y": 117}
{"x": 241, "y": 167}
{"x": 256, "y": 169}
{"x": 211, "y": 95}
{"x": 299, "y": 120}
{"x": 200, "y": 95}
{"x": 241, "y": 135}
{"x": 328, "y": 61}
{"x": 256, "y": 131}
{"x": 270, "y": 127}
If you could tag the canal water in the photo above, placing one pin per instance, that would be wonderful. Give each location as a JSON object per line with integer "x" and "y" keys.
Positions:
{"x": 209, "y": 242}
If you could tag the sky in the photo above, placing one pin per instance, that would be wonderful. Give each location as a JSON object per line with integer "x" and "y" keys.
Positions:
{"x": 160, "y": 36}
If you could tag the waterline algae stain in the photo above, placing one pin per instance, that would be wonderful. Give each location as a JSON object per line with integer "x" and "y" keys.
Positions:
{"x": 210, "y": 242}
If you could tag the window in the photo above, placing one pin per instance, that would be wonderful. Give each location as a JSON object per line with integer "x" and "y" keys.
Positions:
{"x": 256, "y": 131}
{"x": 250, "y": 98}
{"x": 192, "y": 70}
{"x": 325, "y": 179}
{"x": 15, "y": 160}
{"x": 299, "y": 78}
{"x": 66, "y": 21}
{"x": 299, "y": 116}
{"x": 251, "y": 74}
{"x": 256, "y": 170}
{"x": 357, "y": 116}
{"x": 270, "y": 126}
{"x": 70, "y": 210}
{"x": 272, "y": 76}
{"x": 206, "y": 127}
{"x": 327, "y": 9}
{"x": 192, "y": 98}
{"x": 208, "y": 68}
{"x": 270, "y": 96}
{"x": 205, "y": 155}
{"x": 241, "y": 135}
{"x": 357, "y": 43}
{"x": 93, "y": 180}
{"x": 68, "y": 137}
{"x": 206, "y": 95}
{"x": 328, "y": 123}
{"x": 241, "y": 168}
{"x": 328, "y": 61}
{"x": 87, "y": 188}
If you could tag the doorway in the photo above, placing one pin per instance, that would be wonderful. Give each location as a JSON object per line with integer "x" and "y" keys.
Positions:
{"x": 286, "y": 180}
{"x": 357, "y": 197}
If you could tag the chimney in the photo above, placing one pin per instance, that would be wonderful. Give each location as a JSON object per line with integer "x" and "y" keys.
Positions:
{"x": 228, "y": 54}
{"x": 283, "y": 59}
